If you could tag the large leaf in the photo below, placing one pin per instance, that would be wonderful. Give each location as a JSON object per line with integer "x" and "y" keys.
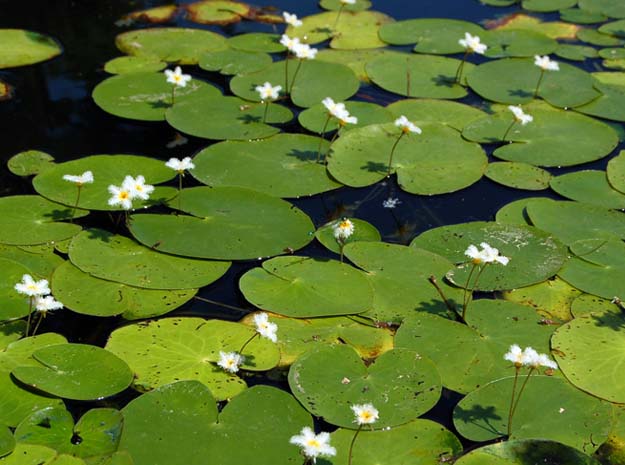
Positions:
{"x": 588, "y": 186}
{"x": 26, "y": 48}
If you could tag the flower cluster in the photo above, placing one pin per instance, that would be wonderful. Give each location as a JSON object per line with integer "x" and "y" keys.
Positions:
{"x": 131, "y": 188}
{"x": 472, "y": 44}
{"x": 80, "y": 180}
{"x": 528, "y": 357}
{"x": 520, "y": 115}
{"x": 339, "y": 111}
{"x": 40, "y": 291}
{"x": 488, "y": 254}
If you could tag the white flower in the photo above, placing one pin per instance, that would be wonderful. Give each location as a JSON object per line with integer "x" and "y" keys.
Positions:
{"x": 85, "y": 178}
{"x": 345, "y": 118}
{"x": 515, "y": 355}
{"x": 535, "y": 360}
{"x": 333, "y": 107}
{"x": 289, "y": 43}
{"x": 545, "y": 63}
{"x": 343, "y": 229}
{"x": 268, "y": 92}
{"x": 488, "y": 254}
{"x": 230, "y": 361}
{"x": 176, "y": 77}
{"x": 264, "y": 327}
{"x": 180, "y": 165}
{"x": 366, "y": 414}
{"x": 120, "y": 196}
{"x": 137, "y": 187}
{"x": 406, "y": 126}
{"x": 32, "y": 288}
{"x": 472, "y": 44}
{"x": 313, "y": 445}
{"x": 348, "y": 2}
{"x": 520, "y": 115}
{"x": 391, "y": 202}
{"x": 291, "y": 19}
{"x": 47, "y": 303}
{"x": 305, "y": 52}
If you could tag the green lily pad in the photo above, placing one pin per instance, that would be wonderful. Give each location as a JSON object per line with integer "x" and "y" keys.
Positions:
{"x": 117, "y": 258}
{"x": 594, "y": 37}
{"x": 173, "y": 349}
{"x": 334, "y": 5}
{"x": 159, "y": 14}
{"x": 231, "y": 62}
{"x": 145, "y": 96}
{"x": 437, "y": 161}
{"x": 400, "y": 279}
{"x": 11, "y": 332}
{"x": 26, "y": 48}
{"x": 315, "y": 118}
{"x": 514, "y": 212}
{"x": 356, "y": 60}
{"x": 315, "y": 81}
{"x": 431, "y": 35}
{"x": 281, "y": 166}
{"x": 242, "y": 224}
{"x": 610, "y": 104}
{"x": 518, "y": 175}
{"x": 576, "y": 52}
{"x": 427, "y": 76}
{"x": 554, "y": 138}
{"x": 553, "y": 299}
{"x": 588, "y": 186}
{"x": 580, "y": 16}
{"x": 454, "y": 114}
{"x": 42, "y": 264}
{"x": 30, "y": 162}
{"x": 232, "y": 118}
{"x": 545, "y": 6}
{"x": 420, "y": 442}
{"x": 524, "y": 22}
{"x": 549, "y": 408}
{"x": 95, "y": 434}
{"x": 89, "y": 295}
{"x": 514, "y": 80}
{"x": 76, "y": 371}
{"x": 588, "y": 304}
{"x": 612, "y": 53}
{"x": 499, "y": 2}
{"x": 27, "y": 454}
{"x": 12, "y": 304}
{"x": 179, "y": 45}
{"x": 606, "y": 7}
{"x": 220, "y": 12}
{"x": 7, "y": 441}
{"x": 400, "y": 383}
{"x": 615, "y": 28}
{"x": 534, "y": 254}
{"x": 256, "y": 42}
{"x": 363, "y": 231}
{"x": 589, "y": 351}
{"x": 517, "y": 43}
{"x": 31, "y": 220}
{"x": 616, "y": 172}
{"x": 107, "y": 170}
{"x": 133, "y": 64}
{"x": 304, "y": 287}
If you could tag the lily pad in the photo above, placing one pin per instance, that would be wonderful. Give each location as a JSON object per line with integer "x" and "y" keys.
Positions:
{"x": 281, "y": 166}
{"x": 304, "y": 287}
{"x": 231, "y": 62}
{"x": 132, "y": 64}
{"x": 544, "y": 6}
{"x": 606, "y": 7}
{"x": 159, "y": 14}
{"x": 228, "y": 223}
{"x": 610, "y": 104}
{"x": 549, "y": 408}
{"x": 76, "y": 371}
{"x": 11, "y": 332}
{"x": 400, "y": 383}
{"x": 517, "y": 43}
{"x": 534, "y": 254}
{"x": 612, "y": 53}
{"x": 594, "y": 37}
{"x": 514, "y": 212}
{"x": 27, "y": 454}
{"x": 589, "y": 351}
{"x": 220, "y": 12}
{"x": 173, "y": 349}
{"x": 257, "y": 42}
{"x": 356, "y": 60}
{"x": 616, "y": 172}
{"x": 588, "y": 186}
{"x": 576, "y": 52}
{"x": 107, "y": 170}
{"x": 437, "y": 161}
{"x": 12, "y": 304}
{"x": 116, "y": 258}
{"x": 89, "y": 295}
{"x": 580, "y": 16}
{"x": 30, "y": 162}
{"x": 587, "y": 304}
{"x": 363, "y": 231}
{"x": 427, "y": 76}
{"x": 7, "y": 441}
{"x": 315, "y": 118}
{"x": 553, "y": 299}
{"x": 26, "y": 48}
{"x": 518, "y": 175}
{"x": 179, "y": 45}
{"x": 315, "y": 81}
{"x": 42, "y": 264}
{"x": 615, "y": 28}
{"x": 514, "y": 80}
{"x": 454, "y": 114}
{"x": 334, "y": 5}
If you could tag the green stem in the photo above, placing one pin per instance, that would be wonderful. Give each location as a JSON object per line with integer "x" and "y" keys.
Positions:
{"x": 540, "y": 79}
{"x": 299, "y": 65}
{"x": 408, "y": 78}
{"x": 461, "y": 67}
{"x": 477, "y": 278}
{"x": 30, "y": 311}
{"x": 351, "y": 445}
{"x": 390, "y": 159}
{"x": 336, "y": 21}
{"x": 465, "y": 298}
{"x": 503, "y": 139}
{"x": 341, "y": 245}
{"x": 38, "y": 323}
{"x": 265, "y": 112}
{"x": 179, "y": 188}
{"x": 286, "y": 72}
{"x": 76, "y": 204}
{"x": 516, "y": 378}
{"x": 247, "y": 342}
{"x": 323, "y": 133}
{"x": 432, "y": 279}
{"x": 219, "y": 304}
{"x": 173, "y": 95}
{"x": 518, "y": 397}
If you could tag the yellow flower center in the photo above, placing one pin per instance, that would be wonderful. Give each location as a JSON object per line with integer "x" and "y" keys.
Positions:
{"x": 476, "y": 261}
{"x": 366, "y": 416}
{"x": 124, "y": 195}
{"x": 344, "y": 225}
{"x": 312, "y": 443}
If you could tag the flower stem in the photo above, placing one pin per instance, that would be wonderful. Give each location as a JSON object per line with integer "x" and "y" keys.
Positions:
{"x": 518, "y": 397}
{"x": 503, "y": 139}
{"x": 299, "y": 65}
{"x": 265, "y": 112}
{"x": 179, "y": 188}
{"x": 465, "y": 297}
{"x": 540, "y": 79}
{"x": 38, "y": 323}
{"x": 336, "y": 21}
{"x": 408, "y": 78}
{"x": 30, "y": 311}
{"x": 173, "y": 95}
{"x": 390, "y": 159}
{"x": 461, "y": 67}
{"x": 351, "y": 445}
{"x": 76, "y": 204}
{"x": 450, "y": 307}
{"x": 341, "y": 245}
{"x": 516, "y": 379}
{"x": 219, "y": 304}
{"x": 247, "y": 342}
{"x": 286, "y": 72}
{"x": 323, "y": 133}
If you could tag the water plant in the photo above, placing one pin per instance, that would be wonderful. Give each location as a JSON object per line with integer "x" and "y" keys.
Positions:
{"x": 406, "y": 127}
{"x": 313, "y": 445}
{"x": 365, "y": 414}
{"x": 79, "y": 180}
{"x": 177, "y": 79}
{"x": 471, "y": 44}
{"x": 267, "y": 94}
{"x": 545, "y": 64}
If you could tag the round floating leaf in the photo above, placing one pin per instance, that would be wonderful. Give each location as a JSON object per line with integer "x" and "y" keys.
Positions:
{"x": 454, "y": 114}
{"x": 554, "y": 138}
{"x": 117, "y": 258}
{"x": 616, "y": 172}
{"x": 11, "y": 332}
{"x": 580, "y": 16}
{"x": 107, "y": 170}
{"x": 145, "y": 96}
{"x": 548, "y": 408}
{"x": 231, "y": 62}
{"x": 420, "y": 442}
{"x": 575, "y": 52}
{"x": 590, "y": 352}
{"x": 594, "y": 37}
{"x": 551, "y": 29}
{"x": 615, "y": 28}
{"x": 228, "y": 223}
{"x": 400, "y": 279}
{"x": 89, "y": 295}
{"x": 96, "y": 433}
{"x": 552, "y": 299}
{"x": 514, "y": 212}
{"x": 180, "y": 45}
{"x": 355, "y": 59}
{"x": 514, "y": 80}
{"x": 26, "y": 48}
{"x": 426, "y": 76}
{"x": 281, "y": 166}
{"x": 76, "y": 371}
{"x": 30, "y": 162}
{"x": 231, "y": 118}
{"x": 548, "y": 5}
{"x": 42, "y": 264}
{"x": 437, "y": 161}
{"x": 363, "y": 231}
{"x": 334, "y": 5}
{"x": 610, "y": 104}
{"x": 588, "y": 304}
{"x": 257, "y": 42}
{"x": 613, "y": 53}
{"x": 401, "y": 384}
{"x": 217, "y": 11}
{"x": 315, "y": 81}
{"x": 159, "y": 14}
{"x": 518, "y": 175}
{"x": 304, "y": 287}
{"x": 437, "y": 36}
{"x": 31, "y": 220}
{"x": 589, "y": 186}
{"x": 606, "y": 7}
{"x": 534, "y": 254}
{"x": 7, "y": 441}
{"x": 315, "y": 119}
{"x": 26, "y": 454}
{"x": 12, "y": 304}
{"x": 131, "y": 64}
{"x": 517, "y": 43}
{"x": 172, "y": 349}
